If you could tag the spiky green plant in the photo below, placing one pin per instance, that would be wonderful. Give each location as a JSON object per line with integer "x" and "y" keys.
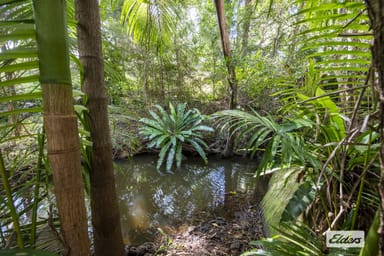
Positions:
{"x": 169, "y": 132}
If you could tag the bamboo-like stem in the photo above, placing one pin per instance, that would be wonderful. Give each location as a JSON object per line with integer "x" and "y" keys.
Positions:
{"x": 60, "y": 122}
{"x": 41, "y": 138}
{"x": 11, "y": 204}
{"x": 362, "y": 180}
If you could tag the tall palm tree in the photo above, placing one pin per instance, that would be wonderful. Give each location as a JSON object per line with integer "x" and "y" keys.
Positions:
{"x": 105, "y": 212}
{"x": 48, "y": 31}
{"x": 15, "y": 71}
{"x": 60, "y": 122}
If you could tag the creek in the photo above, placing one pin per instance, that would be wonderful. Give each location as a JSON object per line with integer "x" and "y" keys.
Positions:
{"x": 150, "y": 199}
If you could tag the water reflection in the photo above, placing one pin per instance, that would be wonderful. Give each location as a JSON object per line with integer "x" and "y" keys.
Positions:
{"x": 149, "y": 199}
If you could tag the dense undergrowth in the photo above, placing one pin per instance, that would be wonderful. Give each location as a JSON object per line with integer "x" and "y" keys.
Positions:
{"x": 308, "y": 109}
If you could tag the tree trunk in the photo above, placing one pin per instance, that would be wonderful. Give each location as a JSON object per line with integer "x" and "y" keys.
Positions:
{"x": 179, "y": 76}
{"x": 232, "y": 80}
{"x": 246, "y": 26}
{"x": 376, "y": 15}
{"x": 231, "y": 72}
{"x": 147, "y": 91}
{"x": 105, "y": 211}
{"x": 60, "y": 123}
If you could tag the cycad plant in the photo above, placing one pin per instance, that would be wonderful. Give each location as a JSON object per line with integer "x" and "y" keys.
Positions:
{"x": 169, "y": 132}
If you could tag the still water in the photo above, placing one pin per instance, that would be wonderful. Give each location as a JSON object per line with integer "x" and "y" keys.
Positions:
{"x": 150, "y": 199}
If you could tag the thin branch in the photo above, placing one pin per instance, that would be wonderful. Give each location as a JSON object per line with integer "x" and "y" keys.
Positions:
{"x": 365, "y": 170}
{"x": 355, "y": 18}
{"x": 347, "y": 34}
{"x": 333, "y": 93}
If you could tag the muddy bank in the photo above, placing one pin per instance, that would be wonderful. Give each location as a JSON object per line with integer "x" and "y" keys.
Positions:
{"x": 225, "y": 231}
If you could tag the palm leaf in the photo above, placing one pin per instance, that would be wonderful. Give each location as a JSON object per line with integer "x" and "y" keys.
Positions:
{"x": 149, "y": 23}
{"x": 294, "y": 239}
{"x": 281, "y": 143}
{"x": 302, "y": 198}
{"x": 19, "y": 66}
{"x": 337, "y": 58}
{"x": 371, "y": 246}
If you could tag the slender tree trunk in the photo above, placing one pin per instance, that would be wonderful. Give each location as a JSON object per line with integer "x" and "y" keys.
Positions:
{"x": 376, "y": 16}
{"x": 232, "y": 80}
{"x": 246, "y": 27}
{"x": 105, "y": 211}
{"x": 231, "y": 72}
{"x": 60, "y": 123}
{"x": 179, "y": 77}
{"x": 147, "y": 92}
{"x": 214, "y": 73}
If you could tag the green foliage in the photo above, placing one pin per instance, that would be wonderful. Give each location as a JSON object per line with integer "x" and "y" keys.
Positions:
{"x": 26, "y": 252}
{"x": 18, "y": 67}
{"x": 371, "y": 245}
{"x": 169, "y": 132}
{"x": 282, "y": 144}
{"x": 11, "y": 203}
{"x": 149, "y": 23}
{"x": 124, "y": 141}
{"x": 334, "y": 94}
{"x": 299, "y": 202}
{"x": 282, "y": 187}
{"x": 295, "y": 238}
{"x": 24, "y": 171}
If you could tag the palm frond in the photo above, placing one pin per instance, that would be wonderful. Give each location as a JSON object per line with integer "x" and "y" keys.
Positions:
{"x": 293, "y": 239}
{"x": 335, "y": 38}
{"x": 150, "y": 23}
{"x": 280, "y": 143}
{"x": 299, "y": 202}
{"x": 18, "y": 64}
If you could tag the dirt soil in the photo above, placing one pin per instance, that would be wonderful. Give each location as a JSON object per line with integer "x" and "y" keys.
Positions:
{"x": 224, "y": 231}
